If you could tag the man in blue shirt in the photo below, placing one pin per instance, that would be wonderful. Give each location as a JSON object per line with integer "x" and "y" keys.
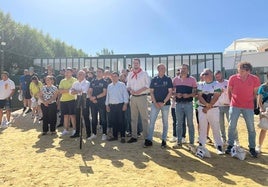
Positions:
{"x": 160, "y": 91}
{"x": 25, "y": 81}
{"x": 116, "y": 104}
{"x": 97, "y": 96}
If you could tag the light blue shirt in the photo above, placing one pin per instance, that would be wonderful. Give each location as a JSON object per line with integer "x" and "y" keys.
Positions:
{"x": 116, "y": 93}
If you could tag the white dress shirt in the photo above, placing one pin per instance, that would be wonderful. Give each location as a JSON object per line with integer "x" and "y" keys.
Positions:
{"x": 141, "y": 81}
{"x": 81, "y": 87}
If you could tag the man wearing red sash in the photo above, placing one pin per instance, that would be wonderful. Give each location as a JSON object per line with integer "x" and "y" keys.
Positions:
{"x": 138, "y": 84}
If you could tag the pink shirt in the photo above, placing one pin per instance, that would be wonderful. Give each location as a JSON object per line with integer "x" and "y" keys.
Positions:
{"x": 242, "y": 95}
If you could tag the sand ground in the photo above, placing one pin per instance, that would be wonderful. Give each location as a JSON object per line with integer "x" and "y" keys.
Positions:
{"x": 28, "y": 159}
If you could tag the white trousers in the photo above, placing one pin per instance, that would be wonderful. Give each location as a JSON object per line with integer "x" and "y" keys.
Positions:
{"x": 211, "y": 117}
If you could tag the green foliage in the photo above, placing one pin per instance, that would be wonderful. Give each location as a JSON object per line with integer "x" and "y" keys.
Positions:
{"x": 105, "y": 51}
{"x": 23, "y": 43}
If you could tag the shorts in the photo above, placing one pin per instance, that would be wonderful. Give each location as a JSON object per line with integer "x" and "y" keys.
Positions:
{"x": 5, "y": 104}
{"x": 27, "y": 94}
{"x": 67, "y": 107}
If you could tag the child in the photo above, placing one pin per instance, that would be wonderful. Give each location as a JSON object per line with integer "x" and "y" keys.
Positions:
{"x": 35, "y": 87}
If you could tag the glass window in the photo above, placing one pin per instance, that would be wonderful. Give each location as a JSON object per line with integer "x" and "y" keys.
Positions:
{"x": 120, "y": 65}
{"x": 57, "y": 64}
{"x": 178, "y": 61}
{"x": 170, "y": 66}
{"x": 37, "y": 62}
{"x": 94, "y": 64}
{"x": 107, "y": 63}
{"x": 155, "y": 63}
{"x": 142, "y": 62}
{"x": 193, "y": 65}
{"x": 101, "y": 63}
{"x": 87, "y": 62}
{"x": 149, "y": 65}
{"x": 70, "y": 62}
{"x": 81, "y": 63}
{"x": 200, "y": 64}
{"x": 209, "y": 62}
{"x": 114, "y": 64}
{"x": 128, "y": 63}
{"x": 186, "y": 59}
{"x": 217, "y": 62}
{"x": 45, "y": 63}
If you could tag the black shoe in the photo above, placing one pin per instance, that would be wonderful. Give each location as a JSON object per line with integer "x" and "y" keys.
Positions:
{"x": 253, "y": 153}
{"x": 147, "y": 143}
{"x": 132, "y": 140}
{"x": 209, "y": 140}
{"x": 112, "y": 139}
{"x": 24, "y": 108}
{"x": 228, "y": 150}
{"x": 41, "y": 119}
{"x": 123, "y": 140}
{"x": 219, "y": 150}
{"x": 75, "y": 136}
{"x": 129, "y": 134}
{"x": 43, "y": 133}
{"x": 28, "y": 111}
{"x": 163, "y": 144}
{"x": 60, "y": 125}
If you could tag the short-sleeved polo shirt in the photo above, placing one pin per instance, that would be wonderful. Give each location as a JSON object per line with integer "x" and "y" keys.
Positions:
{"x": 161, "y": 86}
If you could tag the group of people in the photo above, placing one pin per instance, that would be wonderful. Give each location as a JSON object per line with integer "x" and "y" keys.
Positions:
{"x": 119, "y": 101}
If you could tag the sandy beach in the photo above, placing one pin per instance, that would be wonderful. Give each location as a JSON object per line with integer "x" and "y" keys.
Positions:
{"x": 28, "y": 159}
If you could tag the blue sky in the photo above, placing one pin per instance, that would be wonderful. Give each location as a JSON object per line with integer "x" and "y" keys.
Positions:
{"x": 144, "y": 26}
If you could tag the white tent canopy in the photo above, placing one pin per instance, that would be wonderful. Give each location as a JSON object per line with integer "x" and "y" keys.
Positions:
{"x": 249, "y": 45}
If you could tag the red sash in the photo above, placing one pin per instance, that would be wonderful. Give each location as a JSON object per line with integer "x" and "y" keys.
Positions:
{"x": 135, "y": 74}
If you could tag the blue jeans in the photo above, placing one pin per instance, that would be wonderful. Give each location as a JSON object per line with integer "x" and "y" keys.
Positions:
{"x": 224, "y": 110}
{"x": 153, "y": 116}
{"x": 185, "y": 109}
{"x": 248, "y": 115}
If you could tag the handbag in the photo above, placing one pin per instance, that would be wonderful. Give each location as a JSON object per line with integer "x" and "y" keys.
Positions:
{"x": 238, "y": 152}
{"x": 263, "y": 124}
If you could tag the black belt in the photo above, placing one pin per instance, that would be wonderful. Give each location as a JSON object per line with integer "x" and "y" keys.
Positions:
{"x": 139, "y": 95}
{"x": 184, "y": 101}
{"x": 211, "y": 107}
{"x": 116, "y": 104}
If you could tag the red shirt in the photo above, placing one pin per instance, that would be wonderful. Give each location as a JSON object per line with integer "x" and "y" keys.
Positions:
{"x": 242, "y": 94}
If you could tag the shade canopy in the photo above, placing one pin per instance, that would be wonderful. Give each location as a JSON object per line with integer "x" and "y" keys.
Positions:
{"x": 249, "y": 45}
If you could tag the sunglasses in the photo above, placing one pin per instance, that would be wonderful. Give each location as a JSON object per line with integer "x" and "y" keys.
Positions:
{"x": 205, "y": 74}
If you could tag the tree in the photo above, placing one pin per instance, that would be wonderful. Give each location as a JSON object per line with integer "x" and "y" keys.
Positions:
{"x": 105, "y": 51}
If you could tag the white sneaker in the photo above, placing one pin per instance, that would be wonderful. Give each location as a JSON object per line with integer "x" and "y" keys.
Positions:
{"x": 258, "y": 149}
{"x": 93, "y": 136}
{"x": 104, "y": 137}
{"x": 192, "y": 148}
{"x": 219, "y": 150}
{"x": 73, "y": 132}
{"x": 4, "y": 124}
{"x": 174, "y": 139}
{"x": 236, "y": 142}
{"x": 64, "y": 132}
{"x": 183, "y": 140}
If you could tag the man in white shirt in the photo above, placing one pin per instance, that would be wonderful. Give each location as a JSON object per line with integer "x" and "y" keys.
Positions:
{"x": 7, "y": 88}
{"x": 78, "y": 88}
{"x": 138, "y": 84}
{"x": 224, "y": 104}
